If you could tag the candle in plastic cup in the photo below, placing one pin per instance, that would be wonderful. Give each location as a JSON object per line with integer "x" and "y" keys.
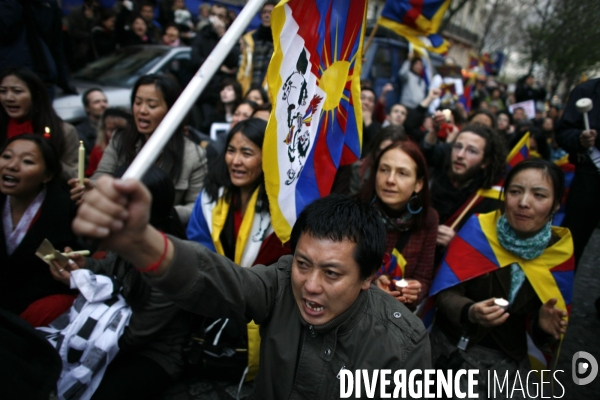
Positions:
{"x": 502, "y": 303}
{"x": 401, "y": 284}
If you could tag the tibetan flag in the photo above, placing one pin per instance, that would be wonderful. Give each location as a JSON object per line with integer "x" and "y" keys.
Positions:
{"x": 568, "y": 170}
{"x": 476, "y": 250}
{"x": 314, "y": 81}
{"x": 519, "y": 153}
{"x": 417, "y": 20}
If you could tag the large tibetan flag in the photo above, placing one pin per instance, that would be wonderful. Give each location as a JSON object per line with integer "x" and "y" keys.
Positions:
{"x": 476, "y": 250}
{"x": 417, "y": 20}
{"x": 314, "y": 81}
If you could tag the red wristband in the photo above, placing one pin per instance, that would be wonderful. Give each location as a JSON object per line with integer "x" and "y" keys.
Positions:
{"x": 154, "y": 266}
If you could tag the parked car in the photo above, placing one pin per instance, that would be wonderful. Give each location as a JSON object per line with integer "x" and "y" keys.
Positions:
{"x": 116, "y": 74}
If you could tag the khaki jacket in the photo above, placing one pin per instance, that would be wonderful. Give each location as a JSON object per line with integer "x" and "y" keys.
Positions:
{"x": 297, "y": 360}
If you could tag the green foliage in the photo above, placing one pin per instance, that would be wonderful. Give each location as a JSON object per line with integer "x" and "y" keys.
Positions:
{"x": 567, "y": 42}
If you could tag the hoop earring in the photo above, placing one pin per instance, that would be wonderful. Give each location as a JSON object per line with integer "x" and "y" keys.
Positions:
{"x": 410, "y": 210}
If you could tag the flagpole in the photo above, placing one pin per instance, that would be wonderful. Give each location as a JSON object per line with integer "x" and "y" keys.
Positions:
{"x": 151, "y": 150}
{"x": 373, "y": 32}
{"x": 465, "y": 211}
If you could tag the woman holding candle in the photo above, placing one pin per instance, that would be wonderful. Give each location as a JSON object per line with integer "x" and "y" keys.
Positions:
{"x": 26, "y": 108}
{"x": 517, "y": 256}
{"x": 34, "y": 207}
{"x": 183, "y": 160}
{"x": 399, "y": 189}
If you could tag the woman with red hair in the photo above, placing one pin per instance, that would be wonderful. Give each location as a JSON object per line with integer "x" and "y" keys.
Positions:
{"x": 400, "y": 191}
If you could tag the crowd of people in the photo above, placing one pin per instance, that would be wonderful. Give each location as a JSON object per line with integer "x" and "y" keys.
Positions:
{"x": 192, "y": 250}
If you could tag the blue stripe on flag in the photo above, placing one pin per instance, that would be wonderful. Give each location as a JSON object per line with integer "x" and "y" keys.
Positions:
{"x": 472, "y": 233}
{"x": 444, "y": 279}
{"x": 197, "y": 229}
{"x": 564, "y": 281}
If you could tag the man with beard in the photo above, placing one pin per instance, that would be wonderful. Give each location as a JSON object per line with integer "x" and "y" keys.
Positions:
{"x": 476, "y": 159}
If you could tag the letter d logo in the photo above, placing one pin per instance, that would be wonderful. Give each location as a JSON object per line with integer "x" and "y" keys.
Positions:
{"x": 583, "y": 367}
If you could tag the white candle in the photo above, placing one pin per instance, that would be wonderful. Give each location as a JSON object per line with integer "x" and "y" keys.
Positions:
{"x": 401, "y": 283}
{"x": 501, "y": 303}
{"x": 81, "y": 168}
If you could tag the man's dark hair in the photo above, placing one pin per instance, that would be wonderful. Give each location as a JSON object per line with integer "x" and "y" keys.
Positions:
{"x": 488, "y": 114}
{"x": 84, "y": 96}
{"x": 494, "y": 153}
{"x": 339, "y": 217}
{"x": 269, "y": 3}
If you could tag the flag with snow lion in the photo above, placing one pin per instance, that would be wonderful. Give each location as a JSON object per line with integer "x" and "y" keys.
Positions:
{"x": 316, "y": 123}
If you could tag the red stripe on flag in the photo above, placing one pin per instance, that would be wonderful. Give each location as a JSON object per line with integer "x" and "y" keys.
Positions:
{"x": 410, "y": 18}
{"x": 468, "y": 261}
{"x": 324, "y": 166}
{"x": 308, "y": 18}
{"x": 568, "y": 265}
{"x": 348, "y": 157}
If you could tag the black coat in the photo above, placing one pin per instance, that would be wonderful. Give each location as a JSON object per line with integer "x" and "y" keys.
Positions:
{"x": 24, "y": 278}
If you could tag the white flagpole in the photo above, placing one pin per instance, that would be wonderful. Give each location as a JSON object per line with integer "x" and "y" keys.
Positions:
{"x": 149, "y": 153}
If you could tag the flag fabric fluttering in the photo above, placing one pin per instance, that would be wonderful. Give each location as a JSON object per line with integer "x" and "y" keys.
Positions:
{"x": 418, "y": 21}
{"x": 316, "y": 123}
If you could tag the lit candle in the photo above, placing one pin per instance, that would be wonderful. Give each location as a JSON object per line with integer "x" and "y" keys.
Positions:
{"x": 501, "y": 303}
{"x": 401, "y": 283}
{"x": 81, "y": 162}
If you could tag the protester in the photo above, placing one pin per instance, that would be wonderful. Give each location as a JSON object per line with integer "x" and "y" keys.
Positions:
{"x": 34, "y": 207}
{"x": 523, "y": 241}
{"x": 230, "y": 97}
{"x": 505, "y": 126}
{"x": 364, "y": 168}
{"x": 319, "y": 296}
{"x": 256, "y": 50}
{"x": 171, "y": 36}
{"x": 476, "y": 159}
{"x": 526, "y": 90}
{"x": 370, "y": 126}
{"x": 582, "y": 212}
{"x": 231, "y": 217}
{"x": 112, "y": 119}
{"x": 32, "y": 37}
{"x": 243, "y": 111}
{"x": 202, "y": 45}
{"x": 150, "y": 355}
{"x": 154, "y": 29}
{"x": 95, "y": 103}
{"x": 104, "y": 40}
{"x": 80, "y": 22}
{"x": 484, "y": 117}
{"x": 258, "y": 95}
{"x": 184, "y": 161}
{"x": 414, "y": 87}
{"x": 26, "y": 108}
{"x": 399, "y": 191}
{"x": 137, "y": 34}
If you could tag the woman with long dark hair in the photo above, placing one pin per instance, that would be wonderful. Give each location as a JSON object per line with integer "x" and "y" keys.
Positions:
{"x": 182, "y": 160}
{"x": 34, "y": 207}
{"x": 150, "y": 354}
{"x": 399, "y": 190}
{"x": 231, "y": 217}
{"x": 26, "y": 108}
